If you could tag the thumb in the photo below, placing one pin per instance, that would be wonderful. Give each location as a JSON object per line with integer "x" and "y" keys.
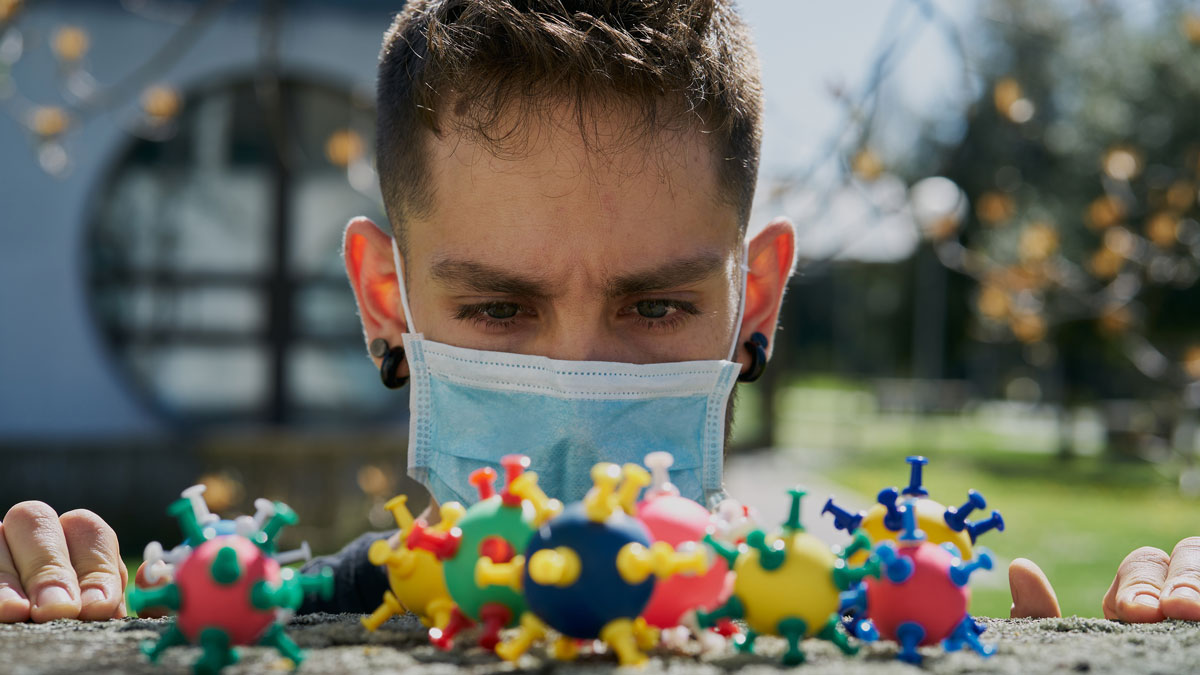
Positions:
{"x": 1032, "y": 595}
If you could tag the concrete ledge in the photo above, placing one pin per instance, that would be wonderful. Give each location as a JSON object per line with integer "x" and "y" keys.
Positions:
{"x": 338, "y": 644}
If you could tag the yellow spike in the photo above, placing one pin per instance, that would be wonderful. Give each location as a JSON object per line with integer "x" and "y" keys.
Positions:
{"x": 525, "y": 486}
{"x": 439, "y": 611}
{"x": 600, "y": 502}
{"x": 488, "y": 573}
{"x": 532, "y": 629}
{"x": 694, "y": 562}
{"x": 400, "y": 561}
{"x": 398, "y": 505}
{"x": 390, "y": 607}
{"x": 564, "y": 648}
{"x": 634, "y": 563}
{"x": 621, "y": 636}
{"x": 647, "y": 636}
{"x": 555, "y": 567}
{"x": 450, "y": 513}
{"x": 636, "y": 478}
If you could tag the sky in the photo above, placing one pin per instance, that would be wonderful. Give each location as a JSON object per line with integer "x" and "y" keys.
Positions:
{"x": 809, "y": 48}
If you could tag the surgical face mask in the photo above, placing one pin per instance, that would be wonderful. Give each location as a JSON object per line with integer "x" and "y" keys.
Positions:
{"x": 469, "y": 407}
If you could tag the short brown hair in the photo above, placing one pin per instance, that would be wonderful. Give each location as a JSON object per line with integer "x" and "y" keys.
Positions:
{"x": 673, "y": 64}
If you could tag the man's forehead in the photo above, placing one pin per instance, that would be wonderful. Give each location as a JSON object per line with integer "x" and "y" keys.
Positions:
{"x": 568, "y": 195}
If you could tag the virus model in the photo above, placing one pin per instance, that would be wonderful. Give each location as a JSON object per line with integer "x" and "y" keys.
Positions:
{"x": 227, "y": 589}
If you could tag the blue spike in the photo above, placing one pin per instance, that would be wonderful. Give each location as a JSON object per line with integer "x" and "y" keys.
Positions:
{"x": 952, "y": 550}
{"x": 864, "y": 630}
{"x": 842, "y": 519}
{"x": 994, "y": 522}
{"x": 967, "y": 634}
{"x": 915, "y": 488}
{"x": 891, "y": 520}
{"x": 909, "y": 634}
{"x": 908, "y": 514}
{"x": 853, "y": 601}
{"x": 960, "y": 574}
{"x": 896, "y": 567}
{"x": 956, "y": 518}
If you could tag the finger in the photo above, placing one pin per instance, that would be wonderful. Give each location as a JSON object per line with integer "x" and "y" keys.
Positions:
{"x": 1033, "y": 596}
{"x": 39, "y": 550}
{"x": 1135, "y": 591}
{"x": 14, "y": 605}
{"x": 140, "y": 581}
{"x": 96, "y": 557}
{"x": 1181, "y": 592}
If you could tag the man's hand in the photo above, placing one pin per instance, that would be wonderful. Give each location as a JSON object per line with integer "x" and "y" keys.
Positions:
{"x": 1151, "y": 585}
{"x": 1032, "y": 595}
{"x": 59, "y": 567}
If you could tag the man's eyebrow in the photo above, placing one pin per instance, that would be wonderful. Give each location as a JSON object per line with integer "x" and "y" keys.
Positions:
{"x": 477, "y": 277}
{"x": 674, "y": 274}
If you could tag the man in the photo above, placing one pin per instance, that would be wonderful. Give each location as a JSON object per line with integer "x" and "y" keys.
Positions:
{"x": 568, "y": 184}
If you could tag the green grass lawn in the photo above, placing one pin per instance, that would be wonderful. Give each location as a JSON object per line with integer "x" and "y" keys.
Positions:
{"x": 1077, "y": 518}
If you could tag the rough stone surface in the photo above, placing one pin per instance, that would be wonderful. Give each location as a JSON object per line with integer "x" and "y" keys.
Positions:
{"x": 339, "y": 644}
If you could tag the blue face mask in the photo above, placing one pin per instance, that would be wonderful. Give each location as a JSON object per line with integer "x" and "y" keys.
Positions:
{"x": 468, "y": 408}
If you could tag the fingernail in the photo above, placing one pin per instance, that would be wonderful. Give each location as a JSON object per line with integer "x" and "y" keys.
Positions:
{"x": 92, "y": 595}
{"x": 1146, "y": 599}
{"x": 1185, "y": 593}
{"x": 53, "y": 595}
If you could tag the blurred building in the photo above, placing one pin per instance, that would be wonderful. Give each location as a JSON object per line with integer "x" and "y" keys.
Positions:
{"x": 172, "y": 290}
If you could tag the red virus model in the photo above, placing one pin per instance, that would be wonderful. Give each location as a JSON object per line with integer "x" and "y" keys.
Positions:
{"x": 227, "y": 589}
{"x": 921, "y": 595}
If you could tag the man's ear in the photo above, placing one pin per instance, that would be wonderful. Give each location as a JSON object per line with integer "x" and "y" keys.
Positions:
{"x": 771, "y": 256}
{"x": 367, "y": 251}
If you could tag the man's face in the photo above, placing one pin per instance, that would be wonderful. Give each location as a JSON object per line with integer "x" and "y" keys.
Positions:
{"x": 577, "y": 253}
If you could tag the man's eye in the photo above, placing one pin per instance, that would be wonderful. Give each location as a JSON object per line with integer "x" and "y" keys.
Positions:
{"x": 653, "y": 309}
{"x": 500, "y": 310}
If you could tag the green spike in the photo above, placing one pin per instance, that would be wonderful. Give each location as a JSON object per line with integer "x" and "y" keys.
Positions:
{"x": 732, "y": 609}
{"x": 794, "y": 630}
{"x": 769, "y": 557}
{"x": 729, "y": 553}
{"x": 164, "y": 596}
{"x": 845, "y": 577}
{"x": 744, "y": 642}
{"x": 173, "y": 636}
{"x": 320, "y": 583}
{"x": 225, "y": 568}
{"x": 861, "y": 542}
{"x": 793, "y": 522}
{"x": 182, "y": 510}
{"x": 833, "y": 632}
{"x": 275, "y": 637}
{"x": 264, "y": 596}
{"x": 283, "y": 517}
{"x": 217, "y": 652}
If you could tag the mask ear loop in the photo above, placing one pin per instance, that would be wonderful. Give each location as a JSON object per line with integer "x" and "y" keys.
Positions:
{"x": 408, "y": 320}
{"x": 744, "y": 268}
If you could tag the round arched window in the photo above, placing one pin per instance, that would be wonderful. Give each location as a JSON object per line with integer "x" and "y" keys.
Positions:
{"x": 213, "y": 258}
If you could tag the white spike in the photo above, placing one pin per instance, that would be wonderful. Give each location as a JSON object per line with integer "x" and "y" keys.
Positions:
{"x": 177, "y": 554}
{"x": 195, "y": 494}
{"x": 158, "y": 572}
{"x": 245, "y": 526}
{"x": 153, "y": 552}
{"x": 660, "y": 464}
{"x": 288, "y": 557}
{"x": 264, "y": 509}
